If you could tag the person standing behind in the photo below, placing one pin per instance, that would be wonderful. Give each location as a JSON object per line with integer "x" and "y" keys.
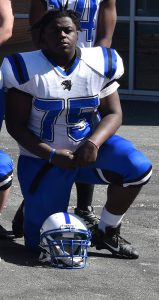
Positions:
{"x": 97, "y": 20}
{"x": 6, "y": 164}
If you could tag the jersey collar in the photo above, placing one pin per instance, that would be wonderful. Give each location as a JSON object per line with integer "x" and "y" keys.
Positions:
{"x": 71, "y": 68}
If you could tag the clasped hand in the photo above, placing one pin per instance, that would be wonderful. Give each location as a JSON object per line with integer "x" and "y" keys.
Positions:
{"x": 82, "y": 157}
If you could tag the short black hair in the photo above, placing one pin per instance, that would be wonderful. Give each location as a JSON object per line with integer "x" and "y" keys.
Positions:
{"x": 55, "y": 14}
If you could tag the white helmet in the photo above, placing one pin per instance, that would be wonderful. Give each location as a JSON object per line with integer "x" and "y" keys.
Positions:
{"x": 64, "y": 239}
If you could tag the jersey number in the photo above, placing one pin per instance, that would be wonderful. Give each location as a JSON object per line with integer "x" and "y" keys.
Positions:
{"x": 78, "y": 117}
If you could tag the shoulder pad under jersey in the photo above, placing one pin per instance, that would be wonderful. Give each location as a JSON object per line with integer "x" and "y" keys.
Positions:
{"x": 105, "y": 61}
{"x": 19, "y": 68}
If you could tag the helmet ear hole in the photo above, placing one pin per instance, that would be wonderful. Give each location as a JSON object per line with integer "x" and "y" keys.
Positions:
{"x": 65, "y": 238}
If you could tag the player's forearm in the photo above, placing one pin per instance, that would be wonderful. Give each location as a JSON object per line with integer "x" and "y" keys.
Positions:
{"x": 28, "y": 140}
{"x": 106, "y": 128}
{"x": 62, "y": 158}
{"x": 104, "y": 42}
{"x": 111, "y": 118}
{"x": 106, "y": 23}
{"x": 104, "y": 35}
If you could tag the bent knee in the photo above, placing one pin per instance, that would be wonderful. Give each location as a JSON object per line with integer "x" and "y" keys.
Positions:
{"x": 6, "y": 171}
{"x": 140, "y": 170}
{"x": 6, "y": 163}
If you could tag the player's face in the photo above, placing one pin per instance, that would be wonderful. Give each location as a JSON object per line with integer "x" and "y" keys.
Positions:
{"x": 60, "y": 36}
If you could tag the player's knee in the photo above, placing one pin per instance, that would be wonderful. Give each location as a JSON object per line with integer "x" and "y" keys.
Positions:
{"x": 6, "y": 171}
{"x": 5, "y": 185}
{"x": 140, "y": 169}
{"x": 6, "y": 163}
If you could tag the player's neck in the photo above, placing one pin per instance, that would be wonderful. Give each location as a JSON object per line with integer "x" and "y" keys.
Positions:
{"x": 64, "y": 62}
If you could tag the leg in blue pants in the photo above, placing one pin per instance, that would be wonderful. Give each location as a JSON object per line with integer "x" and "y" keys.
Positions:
{"x": 119, "y": 164}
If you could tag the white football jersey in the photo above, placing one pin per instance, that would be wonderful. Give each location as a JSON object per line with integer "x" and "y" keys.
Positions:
{"x": 88, "y": 12}
{"x": 64, "y": 102}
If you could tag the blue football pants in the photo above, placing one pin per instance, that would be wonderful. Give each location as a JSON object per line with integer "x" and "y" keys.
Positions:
{"x": 118, "y": 162}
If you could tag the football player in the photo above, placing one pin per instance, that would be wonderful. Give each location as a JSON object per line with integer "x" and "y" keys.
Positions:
{"x": 55, "y": 95}
{"x": 6, "y": 164}
{"x": 97, "y": 20}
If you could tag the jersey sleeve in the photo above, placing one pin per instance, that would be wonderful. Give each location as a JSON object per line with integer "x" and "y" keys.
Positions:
{"x": 109, "y": 89}
{"x": 105, "y": 61}
{"x": 16, "y": 72}
{"x": 113, "y": 64}
{"x": 114, "y": 69}
{"x": 9, "y": 80}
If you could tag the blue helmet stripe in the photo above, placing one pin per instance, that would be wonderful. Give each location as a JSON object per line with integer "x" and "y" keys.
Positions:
{"x": 67, "y": 218}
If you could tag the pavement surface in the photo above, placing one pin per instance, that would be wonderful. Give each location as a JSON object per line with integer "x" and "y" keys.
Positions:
{"x": 22, "y": 277}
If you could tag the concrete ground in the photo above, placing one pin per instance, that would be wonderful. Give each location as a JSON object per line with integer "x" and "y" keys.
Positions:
{"x": 22, "y": 277}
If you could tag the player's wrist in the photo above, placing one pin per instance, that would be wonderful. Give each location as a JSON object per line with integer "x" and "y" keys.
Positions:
{"x": 93, "y": 143}
{"x": 52, "y": 153}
